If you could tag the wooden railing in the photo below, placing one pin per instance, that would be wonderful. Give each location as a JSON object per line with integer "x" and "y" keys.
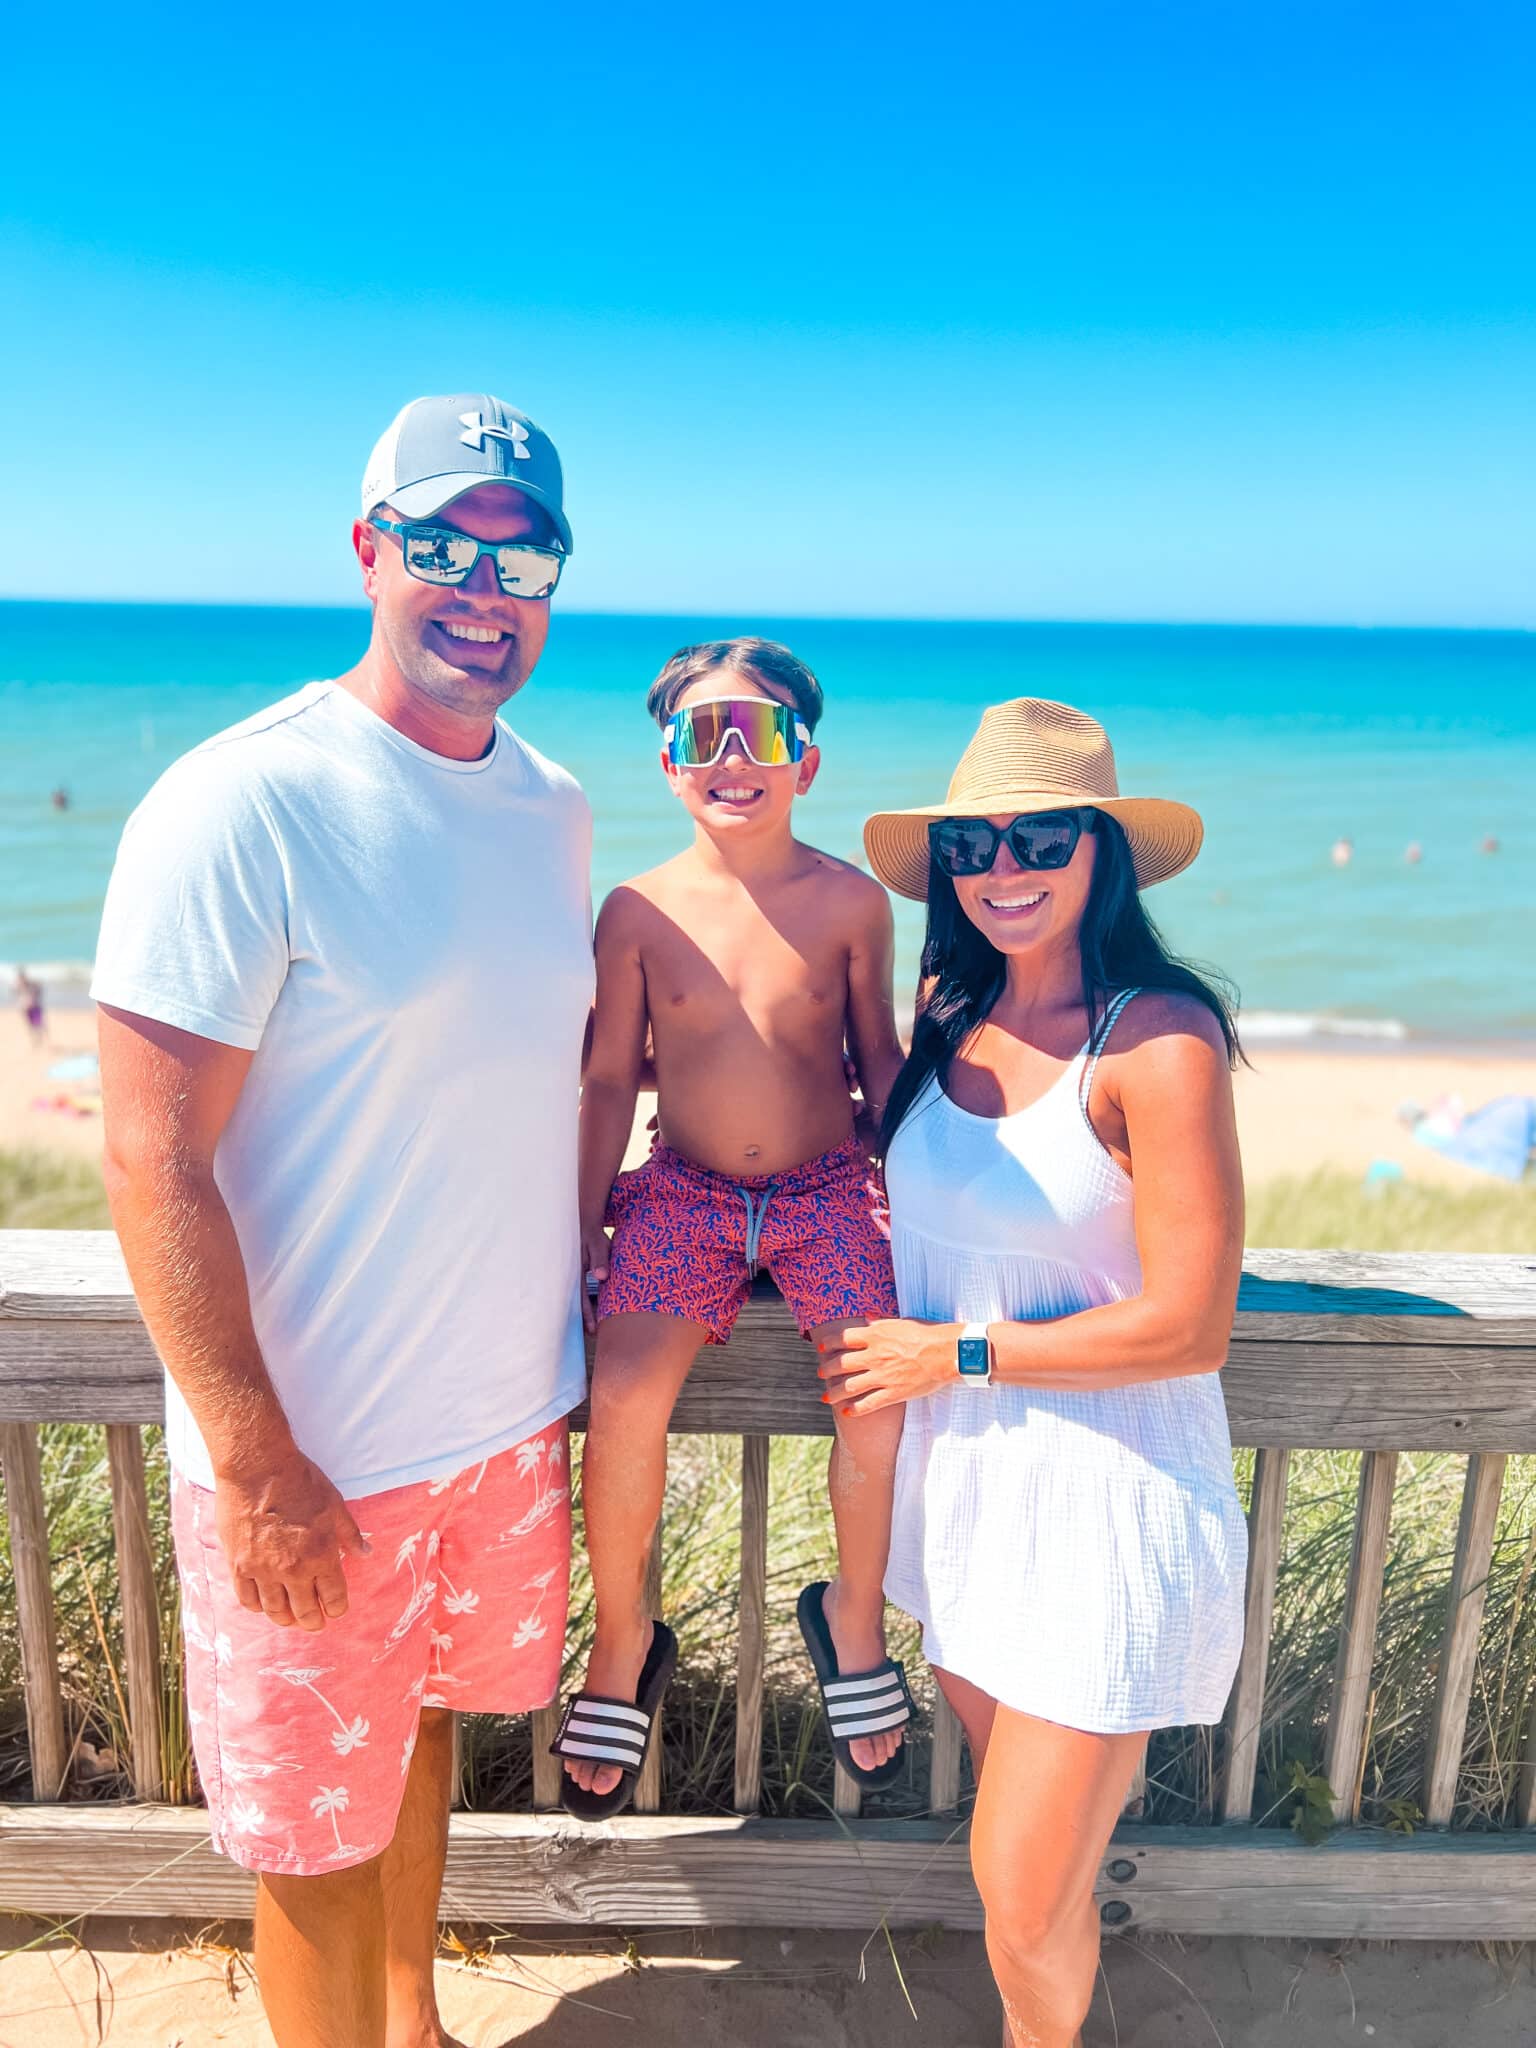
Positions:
{"x": 1380, "y": 1354}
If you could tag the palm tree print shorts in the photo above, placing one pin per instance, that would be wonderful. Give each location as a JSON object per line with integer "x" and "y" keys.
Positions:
{"x": 303, "y": 1740}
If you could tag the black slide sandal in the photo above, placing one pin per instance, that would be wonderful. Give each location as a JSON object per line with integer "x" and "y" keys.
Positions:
{"x": 608, "y": 1731}
{"x": 863, "y": 1702}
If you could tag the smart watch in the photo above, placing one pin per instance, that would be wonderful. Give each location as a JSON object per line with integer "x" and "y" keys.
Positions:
{"x": 973, "y": 1356}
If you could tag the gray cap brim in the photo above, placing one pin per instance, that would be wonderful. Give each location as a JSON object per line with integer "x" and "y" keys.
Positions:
{"x": 422, "y": 500}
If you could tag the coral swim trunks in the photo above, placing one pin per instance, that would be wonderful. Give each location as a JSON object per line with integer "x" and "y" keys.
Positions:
{"x": 687, "y": 1242}
{"x": 303, "y": 1739}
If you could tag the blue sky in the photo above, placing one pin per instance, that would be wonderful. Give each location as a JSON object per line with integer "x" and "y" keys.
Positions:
{"x": 1129, "y": 312}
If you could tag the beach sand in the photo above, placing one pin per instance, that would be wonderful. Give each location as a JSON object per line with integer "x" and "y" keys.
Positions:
{"x": 1298, "y": 1109}
{"x": 158, "y": 1985}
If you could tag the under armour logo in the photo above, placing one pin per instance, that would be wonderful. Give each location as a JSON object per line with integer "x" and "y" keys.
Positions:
{"x": 477, "y": 432}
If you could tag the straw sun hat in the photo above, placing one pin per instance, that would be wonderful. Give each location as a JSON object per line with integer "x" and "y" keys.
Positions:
{"x": 1032, "y": 755}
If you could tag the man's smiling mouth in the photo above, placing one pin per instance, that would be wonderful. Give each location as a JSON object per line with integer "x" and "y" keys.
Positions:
{"x": 485, "y": 635}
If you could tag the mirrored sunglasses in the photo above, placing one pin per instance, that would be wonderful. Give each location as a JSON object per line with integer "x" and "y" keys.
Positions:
{"x": 439, "y": 554}
{"x": 1044, "y": 839}
{"x": 771, "y": 734}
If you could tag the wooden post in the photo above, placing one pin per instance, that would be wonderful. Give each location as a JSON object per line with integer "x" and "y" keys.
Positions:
{"x": 1525, "y": 1784}
{"x": 1464, "y": 1618}
{"x": 752, "y": 1625}
{"x": 1136, "y": 1798}
{"x": 1344, "y": 1751}
{"x": 544, "y": 1723}
{"x": 1245, "y": 1709}
{"x": 648, "y": 1784}
{"x": 944, "y": 1764}
{"x": 141, "y": 1609}
{"x": 22, "y": 1468}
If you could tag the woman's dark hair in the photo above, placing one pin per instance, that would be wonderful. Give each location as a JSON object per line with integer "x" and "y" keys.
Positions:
{"x": 962, "y": 972}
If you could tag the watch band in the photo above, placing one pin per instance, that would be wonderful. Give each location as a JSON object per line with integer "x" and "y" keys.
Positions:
{"x": 973, "y": 1355}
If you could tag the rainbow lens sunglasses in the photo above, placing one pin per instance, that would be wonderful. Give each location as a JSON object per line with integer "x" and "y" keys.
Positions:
{"x": 771, "y": 734}
{"x": 440, "y": 554}
{"x": 1044, "y": 839}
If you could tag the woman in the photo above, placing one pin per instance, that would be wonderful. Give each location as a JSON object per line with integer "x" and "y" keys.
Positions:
{"x": 1067, "y": 1226}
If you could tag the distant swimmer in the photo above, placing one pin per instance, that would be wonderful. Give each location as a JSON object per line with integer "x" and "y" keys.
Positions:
{"x": 29, "y": 1000}
{"x": 1490, "y": 843}
{"x": 1413, "y": 854}
{"x": 60, "y": 798}
{"x": 1342, "y": 853}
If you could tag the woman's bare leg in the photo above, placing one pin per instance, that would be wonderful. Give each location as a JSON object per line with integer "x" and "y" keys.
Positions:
{"x": 641, "y": 1362}
{"x": 1047, "y": 1801}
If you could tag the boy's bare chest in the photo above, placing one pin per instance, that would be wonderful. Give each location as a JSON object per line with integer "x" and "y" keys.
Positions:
{"x": 779, "y": 981}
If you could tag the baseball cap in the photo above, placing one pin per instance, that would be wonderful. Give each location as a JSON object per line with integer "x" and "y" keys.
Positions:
{"x": 437, "y": 448}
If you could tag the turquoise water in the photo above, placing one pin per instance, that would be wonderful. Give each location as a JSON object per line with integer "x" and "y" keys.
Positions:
{"x": 1283, "y": 738}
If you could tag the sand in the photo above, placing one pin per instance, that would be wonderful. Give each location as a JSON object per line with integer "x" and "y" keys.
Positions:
{"x": 160, "y": 1985}
{"x": 1297, "y": 1109}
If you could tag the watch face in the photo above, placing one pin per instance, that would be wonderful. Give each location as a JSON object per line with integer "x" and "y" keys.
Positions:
{"x": 971, "y": 1359}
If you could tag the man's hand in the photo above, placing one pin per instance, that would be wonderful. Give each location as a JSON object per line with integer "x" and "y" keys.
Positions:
{"x": 594, "y": 1266}
{"x": 285, "y": 1533}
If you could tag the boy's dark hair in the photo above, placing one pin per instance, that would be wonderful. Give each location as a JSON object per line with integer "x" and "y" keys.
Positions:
{"x": 765, "y": 661}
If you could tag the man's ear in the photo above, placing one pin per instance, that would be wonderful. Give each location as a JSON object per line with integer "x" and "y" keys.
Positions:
{"x": 365, "y": 545}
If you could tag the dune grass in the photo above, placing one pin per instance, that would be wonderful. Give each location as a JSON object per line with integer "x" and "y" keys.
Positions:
{"x": 40, "y": 1191}
{"x": 702, "y": 1537}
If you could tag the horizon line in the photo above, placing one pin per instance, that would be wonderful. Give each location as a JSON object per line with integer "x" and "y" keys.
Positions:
{"x": 274, "y": 604}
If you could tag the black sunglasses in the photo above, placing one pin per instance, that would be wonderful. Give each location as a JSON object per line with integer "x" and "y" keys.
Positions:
{"x": 1044, "y": 839}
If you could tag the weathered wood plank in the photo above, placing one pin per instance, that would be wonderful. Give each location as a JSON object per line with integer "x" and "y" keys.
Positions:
{"x": 140, "y": 1606}
{"x": 1458, "y": 1650}
{"x": 526, "y": 1871}
{"x": 1475, "y": 1298}
{"x": 944, "y": 1757}
{"x": 1464, "y": 1380}
{"x": 26, "y": 1516}
{"x": 1245, "y": 1709}
{"x": 1343, "y": 1752}
{"x": 752, "y": 1609}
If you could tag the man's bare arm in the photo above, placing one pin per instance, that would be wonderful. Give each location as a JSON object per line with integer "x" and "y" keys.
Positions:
{"x": 167, "y": 1096}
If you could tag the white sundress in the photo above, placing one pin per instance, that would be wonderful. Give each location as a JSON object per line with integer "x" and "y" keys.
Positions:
{"x": 1078, "y": 1556}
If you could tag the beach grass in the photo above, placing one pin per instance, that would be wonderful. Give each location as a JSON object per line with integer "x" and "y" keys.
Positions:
{"x": 40, "y": 1191}
{"x": 702, "y": 1572}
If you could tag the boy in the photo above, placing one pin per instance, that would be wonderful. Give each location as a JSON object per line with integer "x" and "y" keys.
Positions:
{"x": 751, "y": 959}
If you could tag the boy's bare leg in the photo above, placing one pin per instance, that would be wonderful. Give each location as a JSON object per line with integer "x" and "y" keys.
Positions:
{"x": 642, "y": 1361}
{"x": 861, "y": 1479}
{"x": 345, "y": 1960}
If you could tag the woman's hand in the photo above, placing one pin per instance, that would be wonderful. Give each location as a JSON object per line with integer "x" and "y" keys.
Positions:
{"x": 867, "y": 1366}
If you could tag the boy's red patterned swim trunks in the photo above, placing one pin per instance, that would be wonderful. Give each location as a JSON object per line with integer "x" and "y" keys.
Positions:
{"x": 687, "y": 1241}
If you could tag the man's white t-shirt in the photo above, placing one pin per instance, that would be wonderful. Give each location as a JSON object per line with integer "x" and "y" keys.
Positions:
{"x": 404, "y": 943}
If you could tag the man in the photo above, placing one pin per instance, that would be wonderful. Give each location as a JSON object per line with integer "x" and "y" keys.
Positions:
{"x": 344, "y": 973}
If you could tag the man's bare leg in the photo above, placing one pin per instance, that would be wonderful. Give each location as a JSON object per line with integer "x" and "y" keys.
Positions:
{"x": 345, "y": 1960}
{"x": 320, "y": 1958}
{"x": 411, "y": 1879}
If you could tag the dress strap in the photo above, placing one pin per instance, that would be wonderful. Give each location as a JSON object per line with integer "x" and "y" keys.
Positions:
{"x": 1095, "y": 1049}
